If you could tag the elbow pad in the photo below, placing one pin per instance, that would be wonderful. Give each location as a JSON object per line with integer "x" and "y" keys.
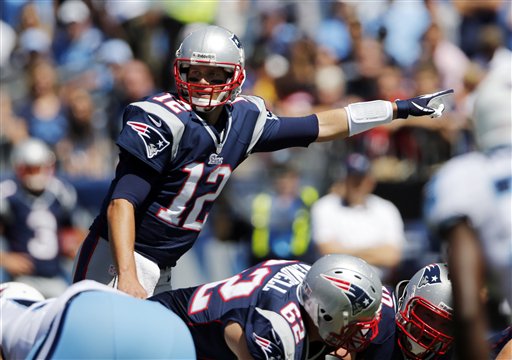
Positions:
{"x": 363, "y": 116}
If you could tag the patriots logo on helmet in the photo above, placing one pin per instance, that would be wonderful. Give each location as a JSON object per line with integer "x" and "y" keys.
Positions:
{"x": 431, "y": 275}
{"x": 153, "y": 140}
{"x": 236, "y": 40}
{"x": 359, "y": 298}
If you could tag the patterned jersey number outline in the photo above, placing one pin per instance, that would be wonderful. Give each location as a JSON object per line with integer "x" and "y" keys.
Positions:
{"x": 292, "y": 314}
{"x": 175, "y": 106}
{"x": 232, "y": 288}
{"x": 387, "y": 298}
{"x": 173, "y": 214}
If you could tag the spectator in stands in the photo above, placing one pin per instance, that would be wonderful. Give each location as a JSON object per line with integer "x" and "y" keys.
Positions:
{"x": 76, "y": 45}
{"x": 280, "y": 219}
{"x": 36, "y": 209}
{"x": 449, "y": 60}
{"x": 351, "y": 220}
{"x": 135, "y": 83}
{"x": 14, "y": 128}
{"x": 43, "y": 109}
{"x": 86, "y": 151}
{"x": 474, "y": 17}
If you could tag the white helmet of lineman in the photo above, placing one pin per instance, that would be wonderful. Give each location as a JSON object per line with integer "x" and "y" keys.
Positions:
{"x": 211, "y": 46}
{"x": 33, "y": 163}
{"x": 19, "y": 291}
{"x": 424, "y": 317}
{"x": 342, "y": 295}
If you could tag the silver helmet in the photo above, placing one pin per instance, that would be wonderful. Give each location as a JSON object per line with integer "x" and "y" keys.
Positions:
{"x": 210, "y": 46}
{"x": 424, "y": 317}
{"x": 33, "y": 163}
{"x": 342, "y": 295}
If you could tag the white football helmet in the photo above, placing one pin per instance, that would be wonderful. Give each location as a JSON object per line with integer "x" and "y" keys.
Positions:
{"x": 33, "y": 163}
{"x": 342, "y": 295}
{"x": 211, "y": 46}
{"x": 19, "y": 291}
{"x": 424, "y": 317}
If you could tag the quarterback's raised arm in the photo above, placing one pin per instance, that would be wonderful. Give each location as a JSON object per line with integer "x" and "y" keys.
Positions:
{"x": 359, "y": 117}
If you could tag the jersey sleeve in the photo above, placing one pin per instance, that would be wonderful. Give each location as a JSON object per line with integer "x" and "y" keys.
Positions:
{"x": 285, "y": 132}
{"x": 273, "y": 133}
{"x": 269, "y": 336}
{"x": 147, "y": 136}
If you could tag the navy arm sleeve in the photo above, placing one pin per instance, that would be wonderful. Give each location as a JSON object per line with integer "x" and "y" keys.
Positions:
{"x": 285, "y": 132}
{"x": 135, "y": 179}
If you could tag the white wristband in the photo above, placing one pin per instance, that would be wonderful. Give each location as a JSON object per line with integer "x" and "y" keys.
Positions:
{"x": 363, "y": 116}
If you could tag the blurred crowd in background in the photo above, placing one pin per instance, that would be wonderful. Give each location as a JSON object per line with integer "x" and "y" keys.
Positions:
{"x": 68, "y": 69}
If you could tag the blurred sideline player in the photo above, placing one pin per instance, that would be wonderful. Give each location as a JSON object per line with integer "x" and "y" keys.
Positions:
{"x": 88, "y": 321}
{"x": 283, "y": 309}
{"x": 469, "y": 205}
{"x": 36, "y": 209}
{"x": 177, "y": 152}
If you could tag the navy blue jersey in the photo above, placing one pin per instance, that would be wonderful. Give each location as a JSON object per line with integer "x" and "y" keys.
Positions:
{"x": 384, "y": 346}
{"x": 194, "y": 161}
{"x": 262, "y": 299}
{"x": 31, "y": 223}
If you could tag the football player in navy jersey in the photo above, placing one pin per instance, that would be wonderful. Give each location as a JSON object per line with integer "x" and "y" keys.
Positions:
{"x": 283, "y": 309}
{"x": 418, "y": 325}
{"x": 36, "y": 208}
{"x": 177, "y": 151}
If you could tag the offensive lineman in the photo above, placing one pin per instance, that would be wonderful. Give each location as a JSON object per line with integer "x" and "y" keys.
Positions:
{"x": 418, "y": 325}
{"x": 283, "y": 309}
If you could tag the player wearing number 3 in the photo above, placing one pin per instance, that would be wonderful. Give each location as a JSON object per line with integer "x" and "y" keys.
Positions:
{"x": 282, "y": 309}
{"x": 177, "y": 152}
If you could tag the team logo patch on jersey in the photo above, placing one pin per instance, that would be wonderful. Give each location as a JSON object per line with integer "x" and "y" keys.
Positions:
{"x": 431, "y": 275}
{"x": 270, "y": 349}
{"x": 359, "y": 298}
{"x": 153, "y": 140}
{"x": 215, "y": 159}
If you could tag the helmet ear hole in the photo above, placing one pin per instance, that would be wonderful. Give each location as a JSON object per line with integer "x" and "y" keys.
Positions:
{"x": 325, "y": 316}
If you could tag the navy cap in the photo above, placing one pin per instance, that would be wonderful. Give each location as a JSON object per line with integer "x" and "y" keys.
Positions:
{"x": 357, "y": 164}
